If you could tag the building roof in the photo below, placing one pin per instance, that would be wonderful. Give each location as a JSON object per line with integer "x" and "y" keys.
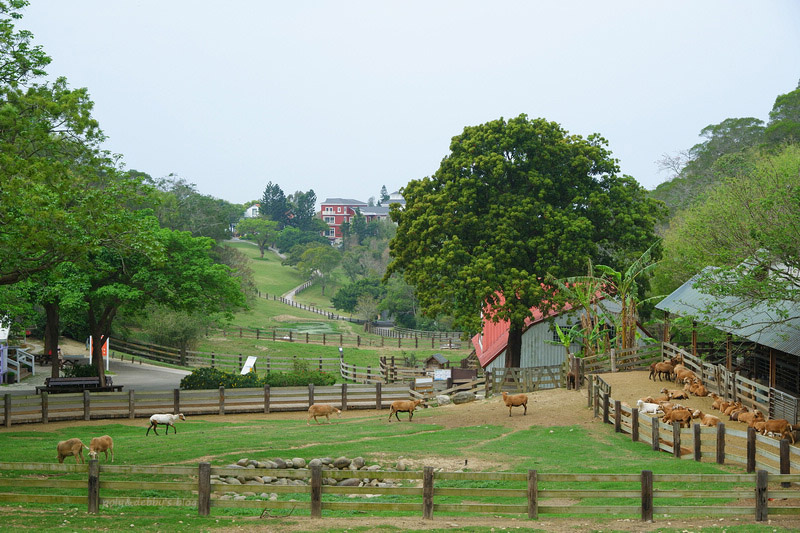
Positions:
{"x": 439, "y": 358}
{"x": 344, "y": 201}
{"x": 758, "y": 322}
{"x": 376, "y": 210}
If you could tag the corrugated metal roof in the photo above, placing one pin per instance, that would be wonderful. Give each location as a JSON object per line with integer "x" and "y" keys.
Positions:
{"x": 757, "y": 322}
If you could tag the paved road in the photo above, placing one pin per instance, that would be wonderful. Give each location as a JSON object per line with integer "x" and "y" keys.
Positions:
{"x": 136, "y": 376}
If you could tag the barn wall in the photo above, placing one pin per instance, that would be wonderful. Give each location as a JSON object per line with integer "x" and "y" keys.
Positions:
{"x": 536, "y": 351}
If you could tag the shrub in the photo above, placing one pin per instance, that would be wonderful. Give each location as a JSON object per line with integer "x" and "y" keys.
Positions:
{"x": 212, "y": 378}
{"x": 80, "y": 371}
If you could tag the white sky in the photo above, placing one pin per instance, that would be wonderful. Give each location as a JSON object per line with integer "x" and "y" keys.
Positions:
{"x": 344, "y": 97}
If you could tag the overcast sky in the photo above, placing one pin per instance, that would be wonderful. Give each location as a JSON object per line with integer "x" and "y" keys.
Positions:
{"x": 344, "y": 97}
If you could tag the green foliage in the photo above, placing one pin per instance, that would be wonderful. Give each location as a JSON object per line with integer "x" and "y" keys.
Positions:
{"x": 259, "y": 230}
{"x": 346, "y": 298}
{"x": 513, "y": 201}
{"x": 79, "y": 371}
{"x": 289, "y": 237}
{"x": 179, "y": 329}
{"x": 213, "y": 378}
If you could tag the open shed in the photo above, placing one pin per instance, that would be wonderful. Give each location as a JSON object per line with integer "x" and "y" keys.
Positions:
{"x": 436, "y": 361}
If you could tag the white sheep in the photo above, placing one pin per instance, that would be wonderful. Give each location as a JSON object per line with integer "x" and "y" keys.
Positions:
{"x": 648, "y": 408}
{"x": 165, "y": 420}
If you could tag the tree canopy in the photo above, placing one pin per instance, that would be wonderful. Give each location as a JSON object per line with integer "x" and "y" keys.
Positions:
{"x": 515, "y": 200}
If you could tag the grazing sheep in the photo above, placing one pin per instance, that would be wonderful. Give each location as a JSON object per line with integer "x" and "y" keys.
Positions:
{"x": 649, "y": 408}
{"x": 706, "y": 420}
{"x": 71, "y": 447}
{"x": 165, "y": 420}
{"x": 101, "y": 444}
{"x": 322, "y": 409}
{"x": 665, "y": 367}
{"x": 515, "y": 401}
{"x": 404, "y": 406}
{"x": 779, "y": 426}
{"x": 684, "y": 416}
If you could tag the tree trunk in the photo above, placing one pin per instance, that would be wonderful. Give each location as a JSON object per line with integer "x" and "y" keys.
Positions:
{"x": 514, "y": 347}
{"x": 51, "y": 334}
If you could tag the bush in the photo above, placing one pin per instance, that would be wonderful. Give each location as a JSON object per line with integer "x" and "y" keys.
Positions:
{"x": 212, "y": 378}
{"x": 80, "y": 371}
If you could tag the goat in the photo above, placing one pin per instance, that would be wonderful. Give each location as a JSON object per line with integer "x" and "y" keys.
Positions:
{"x": 735, "y": 406}
{"x": 320, "y": 409}
{"x": 750, "y": 418}
{"x": 515, "y": 401}
{"x": 165, "y": 420}
{"x": 682, "y": 374}
{"x": 683, "y": 416}
{"x": 706, "y": 420}
{"x": 101, "y": 444}
{"x": 71, "y": 447}
{"x": 648, "y": 408}
{"x": 698, "y": 389}
{"x": 404, "y": 406}
{"x": 779, "y": 426}
{"x": 675, "y": 394}
{"x": 662, "y": 368}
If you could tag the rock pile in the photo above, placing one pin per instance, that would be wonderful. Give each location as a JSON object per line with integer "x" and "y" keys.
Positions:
{"x": 362, "y": 475}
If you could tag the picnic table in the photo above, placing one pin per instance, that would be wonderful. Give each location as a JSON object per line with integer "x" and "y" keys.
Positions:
{"x": 91, "y": 383}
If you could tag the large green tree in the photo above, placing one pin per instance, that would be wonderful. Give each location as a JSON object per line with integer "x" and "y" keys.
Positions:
{"x": 259, "y": 230}
{"x": 515, "y": 200}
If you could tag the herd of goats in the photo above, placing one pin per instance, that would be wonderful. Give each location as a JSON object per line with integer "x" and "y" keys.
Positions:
{"x": 670, "y": 411}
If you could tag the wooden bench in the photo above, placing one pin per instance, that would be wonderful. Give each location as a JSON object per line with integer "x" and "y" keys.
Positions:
{"x": 56, "y": 385}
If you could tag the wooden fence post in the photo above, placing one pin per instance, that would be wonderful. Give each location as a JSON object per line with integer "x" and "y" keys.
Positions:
{"x": 635, "y": 425}
{"x": 617, "y": 416}
{"x": 589, "y": 396}
{"x": 176, "y": 401}
{"x": 316, "y": 491}
{"x": 266, "y": 399}
{"x": 378, "y": 397}
{"x": 784, "y": 453}
{"x": 131, "y": 404}
{"x": 344, "y": 396}
{"x": 647, "y": 496}
{"x": 7, "y": 409}
{"x": 87, "y": 406}
{"x": 45, "y": 415}
{"x": 655, "y": 424}
{"x": 605, "y": 407}
{"x": 94, "y": 486}
{"x": 751, "y": 450}
{"x": 427, "y": 493}
{"x": 720, "y": 443}
{"x": 204, "y": 489}
{"x": 533, "y": 495}
{"x": 310, "y": 394}
{"x": 676, "y": 439}
{"x": 761, "y": 496}
{"x": 698, "y": 455}
{"x": 222, "y": 400}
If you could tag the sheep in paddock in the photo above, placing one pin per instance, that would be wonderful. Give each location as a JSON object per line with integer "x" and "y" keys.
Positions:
{"x": 101, "y": 444}
{"x": 649, "y": 408}
{"x": 675, "y": 394}
{"x": 404, "y": 406}
{"x": 751, "y": 417}
{"x": 706, "y": 420}
{"x": 664, "y": 367}
{"x": 164, "y": 420}
{"x": 779, "y": 426}
{"x": 322, "y": 409}
{"x": 515, "y": 401}
{"x": 683, "y": 416}
{"x": 71, "y": 447}
{"x": 735, "y": 406}
{"x": 698, "y": 389}
{"x": 682, "y": 374}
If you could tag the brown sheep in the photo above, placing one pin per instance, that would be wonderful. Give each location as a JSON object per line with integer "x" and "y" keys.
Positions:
{"x": 404, "y": 406}
{"x": 515, "y": 401}
{"x": 779, "y": 426}
{"x": 71, "y": 447}
{"x": 684, "y": 416}
{"x": 664, "y": 367}
{"x": 101, "y": 444}
{"x": 706, "y": 420}
{"x": 751, "y": 418}
{"x": 322, "y": 409}
{"x": 675, "y": 394}
{"x": 699, "y": 389}
{"x": 681, "y": 375}
{"x": 735, "y": 406}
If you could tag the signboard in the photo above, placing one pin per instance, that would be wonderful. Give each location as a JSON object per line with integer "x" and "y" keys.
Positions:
{"x": 249, "y": 365}
{"x": 103, "y": 351}
{"x": 441, "y": 374}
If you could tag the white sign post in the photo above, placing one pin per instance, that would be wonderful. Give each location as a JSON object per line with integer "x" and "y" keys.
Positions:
{"x": 103, "y": 352}
{"x": 249, "y": 365}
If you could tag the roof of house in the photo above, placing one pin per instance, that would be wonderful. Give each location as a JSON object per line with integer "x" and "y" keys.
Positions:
{"x": 344, "y": 201}
{"x": 776, "y": 326}
{"x": 439, "y": 358}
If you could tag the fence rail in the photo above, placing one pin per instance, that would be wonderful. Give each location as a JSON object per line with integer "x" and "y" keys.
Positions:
{"x": 422, "y": 492}
{"x": 744, "y": 448}
{"x": 36, "y": 408}
{"x": 518, "y": 380}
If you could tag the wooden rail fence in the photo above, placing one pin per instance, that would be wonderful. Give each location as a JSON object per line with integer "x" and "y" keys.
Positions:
{"x": 44, "y": 408}
{"x": 723, "y": 445}
{"x": 530, "y": 494}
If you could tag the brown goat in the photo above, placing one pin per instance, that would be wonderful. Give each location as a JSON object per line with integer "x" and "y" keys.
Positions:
{"x": 322, "y": 409}
{"x": 683, "y": 416}
{"x": 750, "y": 418}
{"x": 515, "y": 401}
{"x": 101, "y": 444}
{"x": 779, "y": 426}
{"x": 706, "y": 420}
{"x": 71, "y": 447}
{"x": 675, "y": 394}
{"x": 404, "y": 406}
{"x": 662, "y": 368}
